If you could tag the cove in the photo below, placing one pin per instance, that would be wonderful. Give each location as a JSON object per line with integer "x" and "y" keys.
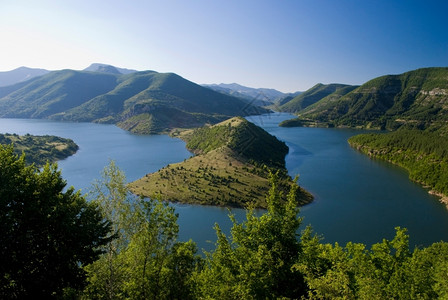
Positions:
{"x": 356, "y": 199}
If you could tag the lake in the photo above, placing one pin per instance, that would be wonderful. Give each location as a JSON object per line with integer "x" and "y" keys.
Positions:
{"x": 356, "y": 199}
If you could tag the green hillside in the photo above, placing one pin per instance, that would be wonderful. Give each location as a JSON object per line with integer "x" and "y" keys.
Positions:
{"x": 231, "y": 168}
{"x": 417, "y": 98}
{"x": 40, "y": 149}
{"x": 55, "y": 92}
{"x": 143, "y": 102}
{"x": 315, "y": 94}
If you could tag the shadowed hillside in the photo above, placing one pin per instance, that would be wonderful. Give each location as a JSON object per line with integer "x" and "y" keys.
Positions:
{"x": 417, "y": 98}
{"x": 142, "y": 102}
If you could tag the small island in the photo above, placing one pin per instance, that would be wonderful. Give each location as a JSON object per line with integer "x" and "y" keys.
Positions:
{"x": 40, "y": 149}
{"x": 231, "y": 168}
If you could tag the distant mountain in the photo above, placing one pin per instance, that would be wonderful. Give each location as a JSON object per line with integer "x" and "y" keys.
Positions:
{"x": 313, "y": 95}
{"x": 19, "y": 75}
{"x": 55, "y": 92}
{"x": 417, "y": 98}
{"x": 103, "y": 68}
{"x": 143, "y": 102}
{"x": 257, "y": 96}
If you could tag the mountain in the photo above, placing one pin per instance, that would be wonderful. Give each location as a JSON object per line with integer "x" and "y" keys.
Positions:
{"x": 257, "y": 96}
{"x": 142, "y": 102}
{"x": 19, "y": 75}
{"x": 417, "y": 98}
{"x": 103, "y": 68}
{"x": 231, "y": 168}
{"x": 313, "y": 95}
{"x": 55, "y": 92}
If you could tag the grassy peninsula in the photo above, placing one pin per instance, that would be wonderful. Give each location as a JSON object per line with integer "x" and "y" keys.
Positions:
{"x": 231, "y": 168}
{"x": 40, "y": 149}
{"x": 423, "y": 153}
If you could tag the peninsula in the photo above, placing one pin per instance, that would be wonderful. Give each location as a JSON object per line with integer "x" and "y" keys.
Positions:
{"x": 231, "y": 168}
{"x": 40, "y": 149}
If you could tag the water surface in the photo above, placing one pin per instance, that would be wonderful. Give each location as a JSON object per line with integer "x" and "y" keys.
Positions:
{"x": 356, "y": 199}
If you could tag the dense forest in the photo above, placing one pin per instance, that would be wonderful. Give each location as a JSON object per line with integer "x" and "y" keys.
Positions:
{"x": 56, "y": 244}
{"x": 424, "y": 153}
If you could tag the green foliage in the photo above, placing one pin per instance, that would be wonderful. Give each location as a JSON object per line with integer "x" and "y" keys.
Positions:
{"x": 231, "y": 169}
{"x": 48, "y": 235}
{"x": 145, "y": 261}
{"x": 387, "y": 271}
{"x": 423, "y": 153}
{"x": 256, "y": 262}
{"x": 55, "y": 92}
{"x": 388, "y": 102}
{"x": 206, "y": 139}
{"x": 40, "y": 149}
{"x": 319, "y": 92}
{"x": 167, "y": 99}
{"x": 243, "y": 138}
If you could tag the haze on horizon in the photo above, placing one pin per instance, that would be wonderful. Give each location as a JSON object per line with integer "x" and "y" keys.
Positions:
{"x": 288, "y": 45}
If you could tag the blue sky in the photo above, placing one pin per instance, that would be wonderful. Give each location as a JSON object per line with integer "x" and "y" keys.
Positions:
{"x": 286, "y": 45}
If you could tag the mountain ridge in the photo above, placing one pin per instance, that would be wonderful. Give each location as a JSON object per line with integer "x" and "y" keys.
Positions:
{"x": 258, "y": 96}
{"x": 416, "y": 98}
{"x": 142, "y": 102}
{"x": 20, "y": 74}
{"x": 313, "y": 95}
{"x": 105, "y": 68}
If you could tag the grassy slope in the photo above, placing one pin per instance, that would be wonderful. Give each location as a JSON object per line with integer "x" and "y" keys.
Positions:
{"x": 417, "y": 98}
{"x": 40, "y": 149}
{"x": 54, "y": 93}
{"x": 142, "y": 102}
{"x": 313, "y": 95}
{"x": 226, "y": 171}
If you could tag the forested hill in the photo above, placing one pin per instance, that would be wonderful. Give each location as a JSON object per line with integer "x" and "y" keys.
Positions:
{"x": 330, "y": 92}
{"x": 142, "y": 102}
{"x": 40, "y": 149}
{"x": 231, "y": 168}
{"x": 417, "y": 98}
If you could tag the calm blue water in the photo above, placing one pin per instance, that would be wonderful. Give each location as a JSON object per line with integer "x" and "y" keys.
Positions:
{"x": 356, "y": 199}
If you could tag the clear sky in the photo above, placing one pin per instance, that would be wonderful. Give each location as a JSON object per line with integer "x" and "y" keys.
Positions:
{"x": 289, "y": 45}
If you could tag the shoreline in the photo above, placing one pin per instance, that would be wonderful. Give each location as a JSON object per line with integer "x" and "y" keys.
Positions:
{"x": 370, "y": 153}
{"x": 442, "y": 197}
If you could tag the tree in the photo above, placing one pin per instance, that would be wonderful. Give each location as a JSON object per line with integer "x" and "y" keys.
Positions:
{"x": 145, "y": 261}
{"x": 106, "y": 276}
{"x": 257, "y": 261}
{"x": 47, "y": 234}
{"x": 387, "y": 271}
